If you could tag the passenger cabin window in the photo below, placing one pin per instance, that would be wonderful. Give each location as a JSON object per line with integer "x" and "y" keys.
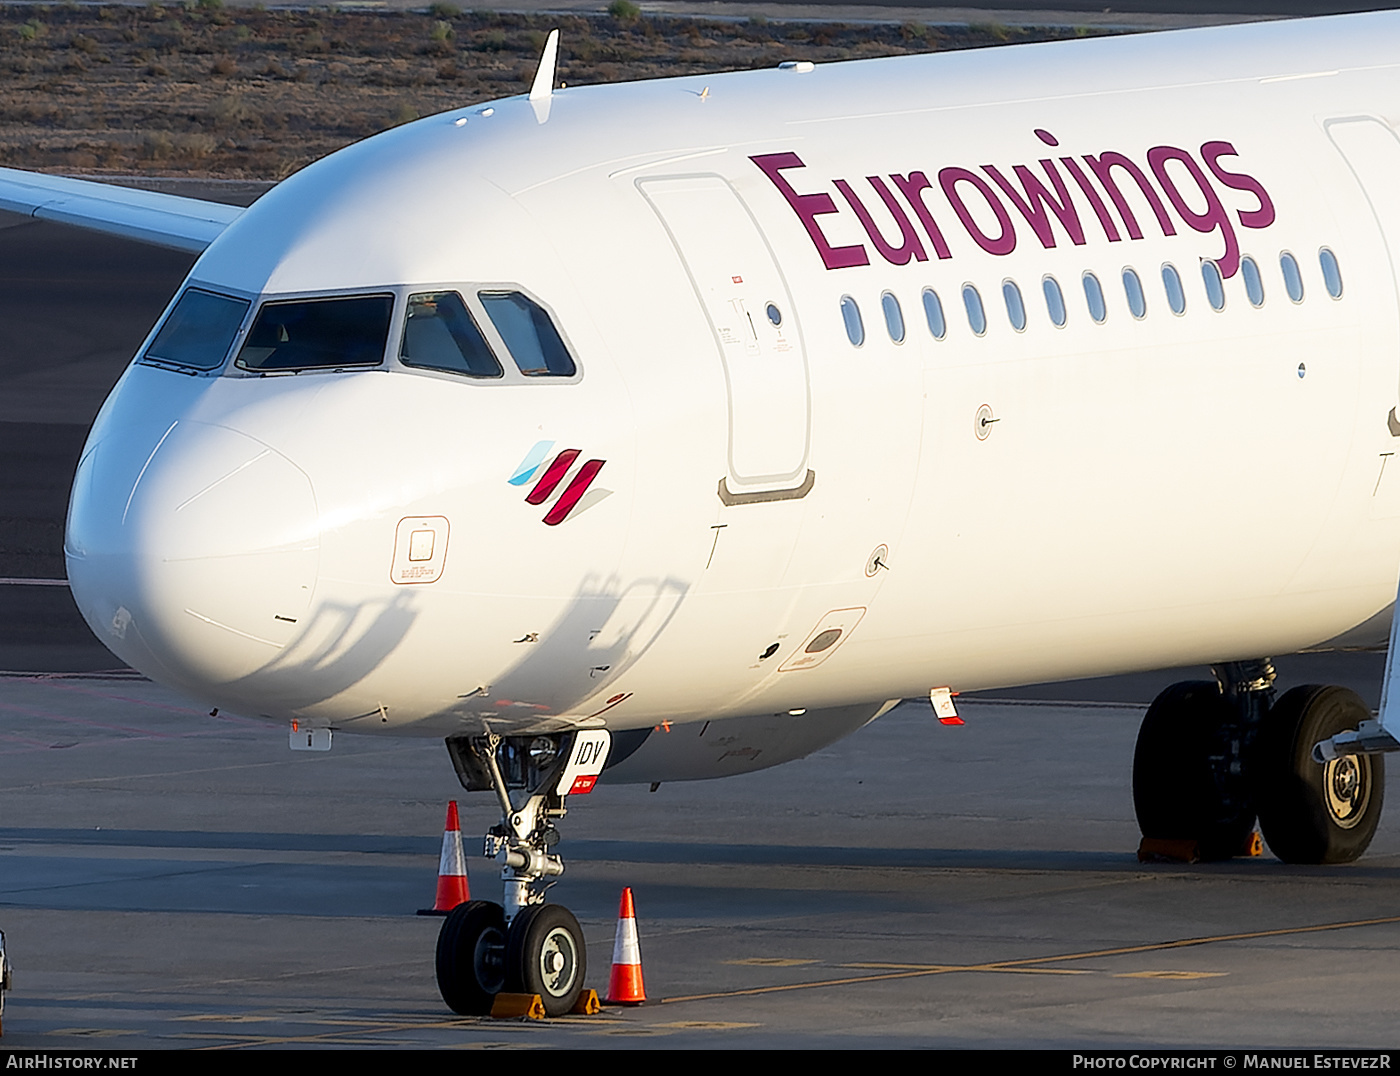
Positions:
{"x": 894, "y": 317}
{"x": 1215, "y": 286}
{"x": 1253, "y": 282}
{"x": 1054, "y": 301}
{"x": 1292, "y": 277}
{"x": 1015, "y": 305}
{"x": 440, "y": 334}
{"x": 933, "y": 314}
{"x": 976, "y": 316}
{"x": 850, "y": 314}
{"x": 305, "y": 334}
{"x": 1093, "y": 295}
{"x": 199, "y": 330}
{"x": 529, "y": 334}
{"x": 1132, "y": 288}
{"x": 1331, "y": 273}
{"x": 1176, "y": 294}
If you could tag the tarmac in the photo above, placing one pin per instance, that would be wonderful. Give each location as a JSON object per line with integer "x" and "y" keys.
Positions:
{"x": 170, "y": 879}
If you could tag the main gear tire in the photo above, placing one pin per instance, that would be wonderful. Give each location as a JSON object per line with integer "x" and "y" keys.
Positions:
{"x": 1311, "y": 812}
{"x": 1179, "y": 792}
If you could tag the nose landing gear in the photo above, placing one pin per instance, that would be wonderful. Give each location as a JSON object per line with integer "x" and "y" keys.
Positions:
{"x": 524, "y": 946}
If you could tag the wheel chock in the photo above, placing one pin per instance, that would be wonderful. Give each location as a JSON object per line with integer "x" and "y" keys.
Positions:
{"x": 518, "y": 1006}
{"x": 587, "y": 1004}
{"x": 1168, "y": 850}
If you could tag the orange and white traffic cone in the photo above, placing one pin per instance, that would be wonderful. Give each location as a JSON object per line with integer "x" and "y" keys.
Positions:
{"x": 625, "y": 983}
{"x": 452, "y": 886}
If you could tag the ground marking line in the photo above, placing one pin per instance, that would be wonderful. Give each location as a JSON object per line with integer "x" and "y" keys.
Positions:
{"x": 372, "y": 1027}
{"x": 253, "y": 1040}
{"x": 958, "y": 967}
{"x": 384, "y": 1029}
{"x": 318, "y": 1041}
{"x": 1004, "y": 965}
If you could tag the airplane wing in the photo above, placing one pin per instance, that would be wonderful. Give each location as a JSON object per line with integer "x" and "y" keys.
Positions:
{"x": 164, "y": 220}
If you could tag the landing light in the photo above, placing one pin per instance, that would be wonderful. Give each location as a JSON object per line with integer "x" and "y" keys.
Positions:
{"x": 542, "y": 751}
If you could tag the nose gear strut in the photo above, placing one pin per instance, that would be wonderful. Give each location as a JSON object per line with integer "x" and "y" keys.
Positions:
{"x": 522, "y": 839}
{"x": 525, "y": 945}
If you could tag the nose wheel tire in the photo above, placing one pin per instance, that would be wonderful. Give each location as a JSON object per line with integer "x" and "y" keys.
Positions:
{"x": 1313, "y": 812}
{"x": 471, "y": 957}
{"x": 545, "y": 955}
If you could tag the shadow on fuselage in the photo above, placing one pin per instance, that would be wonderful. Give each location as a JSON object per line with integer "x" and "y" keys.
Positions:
{"x": 340, "y": 646}
{"x": 604, "y": 630}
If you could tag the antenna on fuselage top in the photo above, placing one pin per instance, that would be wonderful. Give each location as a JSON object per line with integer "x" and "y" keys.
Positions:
{"x": 542, "y": 89}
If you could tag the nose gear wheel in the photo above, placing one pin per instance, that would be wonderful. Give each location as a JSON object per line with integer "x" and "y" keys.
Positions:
{"x": 545, "y": 955}
{"x": 471, "y": 957}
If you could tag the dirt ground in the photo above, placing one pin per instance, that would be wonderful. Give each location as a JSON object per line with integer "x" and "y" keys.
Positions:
{"x": 203, "y": 90}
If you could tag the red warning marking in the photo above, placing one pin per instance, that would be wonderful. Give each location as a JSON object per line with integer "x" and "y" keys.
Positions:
{"x": 951, "y": 721}
{"x": 611, "y": 703}
{"x": 737, "y": 279}
{"x": 583, "y": 784}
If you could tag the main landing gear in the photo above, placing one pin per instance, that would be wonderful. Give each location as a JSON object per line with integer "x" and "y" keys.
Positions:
{"x": 1214, "y": 755}
{"x": 523, "y": 946}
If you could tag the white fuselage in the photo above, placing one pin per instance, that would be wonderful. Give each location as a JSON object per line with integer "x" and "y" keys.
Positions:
{"x": 1138, "y": 492}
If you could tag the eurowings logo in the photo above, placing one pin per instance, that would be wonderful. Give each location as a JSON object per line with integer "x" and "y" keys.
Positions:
{"x": 577, "y": 498}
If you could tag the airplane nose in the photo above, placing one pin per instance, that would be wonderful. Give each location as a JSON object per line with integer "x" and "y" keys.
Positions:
{"x": 193, "y": 557}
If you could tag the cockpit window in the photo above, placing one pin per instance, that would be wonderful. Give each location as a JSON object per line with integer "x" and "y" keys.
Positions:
{"x": 439, "y": 334}
{"x": 199, "y": 330}
{"x": 309, "y": 333}
{"x": 534, "y": 342}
